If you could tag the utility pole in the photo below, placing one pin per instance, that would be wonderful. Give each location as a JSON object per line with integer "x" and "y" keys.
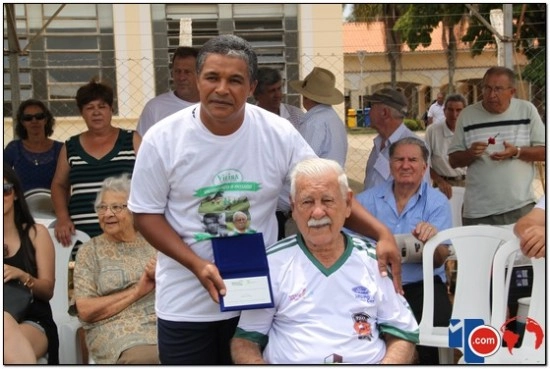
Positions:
{"x": 361, "y": 56}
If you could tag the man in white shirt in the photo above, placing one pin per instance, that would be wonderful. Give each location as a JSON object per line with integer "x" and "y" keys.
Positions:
{"x": 185, "y": 91}
{"x": 435, "y": 112}
{"x": 438, "y": 138}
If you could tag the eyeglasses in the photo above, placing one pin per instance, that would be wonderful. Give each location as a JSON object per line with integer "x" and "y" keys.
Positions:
{"x": 497, "y": 90}
{"x": 115, "y": 208}
{"x": 37, "y": 116}
{"x": 8, "y": 189}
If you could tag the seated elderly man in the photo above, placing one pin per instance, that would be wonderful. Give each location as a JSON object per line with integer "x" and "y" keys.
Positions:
{"x": 409, "y": 206}
{"x": 331, "y": 304}
{"x": 114, "y": 284}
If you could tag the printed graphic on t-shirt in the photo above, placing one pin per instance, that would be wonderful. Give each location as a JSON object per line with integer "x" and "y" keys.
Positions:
{"x": 224, "y": 208}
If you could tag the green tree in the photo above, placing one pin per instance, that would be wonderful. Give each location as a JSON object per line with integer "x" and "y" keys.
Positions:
{"x": 529, "y": 41}
{"x": 388, "y": 14}
{"x": 418, "y": 22}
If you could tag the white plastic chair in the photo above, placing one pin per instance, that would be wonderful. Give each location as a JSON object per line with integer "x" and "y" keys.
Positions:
{"x": 67, "y": 325}
{"x": 456, "y": 202}
{"x": 475, "y": 247}
{"x": 527, "y": 353}
{"x": 40, "y": 204}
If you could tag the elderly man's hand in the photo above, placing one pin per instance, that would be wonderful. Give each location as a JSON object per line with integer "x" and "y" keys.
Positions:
{"x": 509, "y": 151}
{"x": 533, "y": 242}
{"x": 477, "y": 149}
{"x": 424, "y": 231}
{"x": 388, "y": 255}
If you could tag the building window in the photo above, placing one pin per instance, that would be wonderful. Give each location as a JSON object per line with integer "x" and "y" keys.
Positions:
{"x": 76, "y": 46}
{"x": 272, "y": 29}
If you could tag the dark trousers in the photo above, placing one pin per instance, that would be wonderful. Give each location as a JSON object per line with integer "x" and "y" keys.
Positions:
{"x": 195, "y": 343}
{"x": 414, "y": 294}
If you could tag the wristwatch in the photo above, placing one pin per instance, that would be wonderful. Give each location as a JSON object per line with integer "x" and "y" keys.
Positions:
{"x": 517, "y": 153}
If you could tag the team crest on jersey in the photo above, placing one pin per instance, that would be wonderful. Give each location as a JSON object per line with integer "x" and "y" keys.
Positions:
{"x": 362, "y": 326}
{"x": 363, "y": 294}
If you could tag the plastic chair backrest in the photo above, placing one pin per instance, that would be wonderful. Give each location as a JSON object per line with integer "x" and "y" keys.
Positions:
{"x": 530, "y": 351}
{"x": 67, "y": 325}
{"x": 456, "y": 202}
{"x": 40, "y": 203}
{"x": 60, "y": 300}
{"x": 475, "y": 247}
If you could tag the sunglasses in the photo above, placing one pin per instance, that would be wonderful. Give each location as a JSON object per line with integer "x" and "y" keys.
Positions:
{"x": 8, "y": 189}
{"x": 37, "y": 116}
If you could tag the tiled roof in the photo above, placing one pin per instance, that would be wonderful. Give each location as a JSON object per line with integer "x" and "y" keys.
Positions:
{"x": 370, "y": 37}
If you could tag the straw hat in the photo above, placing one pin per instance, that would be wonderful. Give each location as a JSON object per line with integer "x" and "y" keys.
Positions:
{"x": 319, "y": 87}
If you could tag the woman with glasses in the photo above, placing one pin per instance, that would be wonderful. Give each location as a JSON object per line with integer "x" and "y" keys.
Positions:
{"x": 114, "y": 284}
{"x": 87, "y": 159}
{"x": 34, "y": 155}
{"x": 29, "y": 257}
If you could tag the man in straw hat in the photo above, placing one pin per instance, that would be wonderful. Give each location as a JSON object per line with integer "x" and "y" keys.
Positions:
{"x": 388, "y": 109}
{"x": 321, "y": 127}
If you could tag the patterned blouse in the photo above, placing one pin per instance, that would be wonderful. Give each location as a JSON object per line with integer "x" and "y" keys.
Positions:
{"x": 102, "y": 268}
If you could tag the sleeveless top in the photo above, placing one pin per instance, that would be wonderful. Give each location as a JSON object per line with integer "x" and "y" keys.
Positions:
{"x": 35, "y": 170}
{"x": 87, "y": 173}
{"x": 40, "y": 312}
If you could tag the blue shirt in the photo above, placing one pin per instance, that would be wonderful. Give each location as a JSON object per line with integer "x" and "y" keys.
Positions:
{"x": 426, "y": 205}
{"x": 324, "y": 131}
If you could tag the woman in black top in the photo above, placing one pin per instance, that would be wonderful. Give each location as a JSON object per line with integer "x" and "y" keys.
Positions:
{"x": 29, "y": 256}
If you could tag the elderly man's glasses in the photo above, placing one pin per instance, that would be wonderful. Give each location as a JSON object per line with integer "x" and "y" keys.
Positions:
{"x": 115, "y": 208}
{"x": 37, "y": 116}
{"x": 497, "y": 89}
{"x": 8, "y": 189}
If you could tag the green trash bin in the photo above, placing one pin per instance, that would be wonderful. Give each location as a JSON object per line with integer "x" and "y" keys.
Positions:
{"x": 360, "y": 118}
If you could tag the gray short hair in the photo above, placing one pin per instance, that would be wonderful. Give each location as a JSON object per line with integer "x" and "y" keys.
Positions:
{"x": 455, "y": 98}
{"x": 411, "y": 140}
{"x": 233, "y": 46}
{"x": 315, "y": 167}
{"x": 119, "y": 184}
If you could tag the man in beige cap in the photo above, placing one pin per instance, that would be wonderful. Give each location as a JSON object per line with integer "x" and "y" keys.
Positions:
{"x": 388, "y": 109}
{"x": 321, "y": 127}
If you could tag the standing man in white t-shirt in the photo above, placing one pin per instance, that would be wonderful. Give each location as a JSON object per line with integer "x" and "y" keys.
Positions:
{"x": 435, "y": 112}
{"x": 220, "y": 156}
{"x": 438, "y": 138}
{"x": 185, "y": 91}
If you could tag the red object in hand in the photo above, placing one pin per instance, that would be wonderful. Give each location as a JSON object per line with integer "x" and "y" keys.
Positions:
{"x": 492, "y": 140}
